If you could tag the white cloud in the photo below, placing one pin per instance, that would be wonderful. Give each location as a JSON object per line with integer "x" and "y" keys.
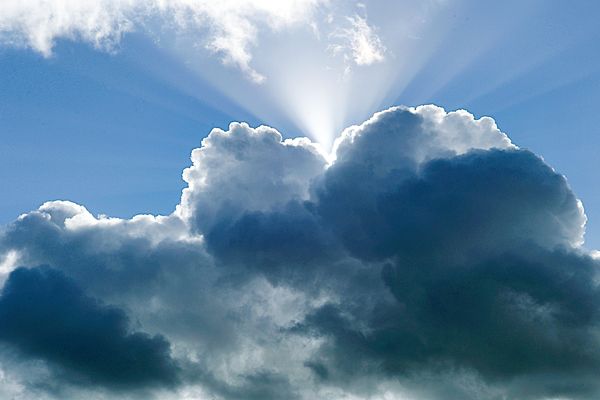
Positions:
{"x": 8, "y": 262}
{"x": 39, "y": 23}
{"x": 232, "y": 25}
{"x": 230, "y": 172}
{"x": 443, "y": 133}
{"x": 229, "y": 28}
{"x": 359, "y": 42}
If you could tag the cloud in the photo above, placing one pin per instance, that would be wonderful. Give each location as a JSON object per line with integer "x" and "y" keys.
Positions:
{"x": 231, "y": 175}
{"x": 429, "y": 258}
{"x": 233, "y": 25}
{"x": 359, "y": 43}
{"x": 45, "y": 314}
{"x": 228, "y": 28}
{"x": 479, "y": 252}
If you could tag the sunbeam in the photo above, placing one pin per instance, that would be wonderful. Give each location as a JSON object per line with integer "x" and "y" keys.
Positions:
{"x": 310, "y": 67}
{"x": 299, "y": 200}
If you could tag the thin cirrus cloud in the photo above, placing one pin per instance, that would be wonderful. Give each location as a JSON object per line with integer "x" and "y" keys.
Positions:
{"x": 430, "y": 259}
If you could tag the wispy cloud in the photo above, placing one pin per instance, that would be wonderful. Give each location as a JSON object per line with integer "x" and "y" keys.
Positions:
{"x": 229, "y": 28}
{"x": 359, "y": 43}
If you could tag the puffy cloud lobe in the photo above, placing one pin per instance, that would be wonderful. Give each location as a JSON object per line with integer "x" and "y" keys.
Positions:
{"x": 45, "y": 314}
{"x": 479, "y": 203}
{"x": 471, "y": 239}
{"x": 168, "y": 283}
{"x": 130, "y": 255}
{"x": 405, "y": 137}
{"x": 431, "y": 258}
{"x": 246, "y": 169}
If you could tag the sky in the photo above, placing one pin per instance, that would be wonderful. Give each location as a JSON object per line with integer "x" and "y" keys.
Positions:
{"x": 81, "y": 116}
{"x": 299, "y": 199}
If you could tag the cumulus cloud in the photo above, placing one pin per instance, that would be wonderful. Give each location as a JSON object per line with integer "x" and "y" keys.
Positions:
{"x": 230, "y": 173}
{"x": 229, "y": 28}
{"x": 45, "y": 314}
{"x": 429, "y": 258}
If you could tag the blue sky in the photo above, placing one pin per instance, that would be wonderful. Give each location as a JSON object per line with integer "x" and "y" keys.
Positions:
{"x": 112, "y": 131}
{"x": 157, "y": 242}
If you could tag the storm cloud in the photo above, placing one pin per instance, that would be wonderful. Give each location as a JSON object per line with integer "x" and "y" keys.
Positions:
{"x": 429, "y": 257}
{"x": 45, "y": 314}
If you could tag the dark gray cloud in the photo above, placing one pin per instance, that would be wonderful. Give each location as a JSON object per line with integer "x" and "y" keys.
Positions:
{"x": 276, "y": 243}
{"x": 478, "y": 255}
{"x": 46, "y": 315}
{"x": 509, "y": 317}
{"x": 481, "y": 202}
{"x": 259, "y": 385}
{"x": 431, "y": 259}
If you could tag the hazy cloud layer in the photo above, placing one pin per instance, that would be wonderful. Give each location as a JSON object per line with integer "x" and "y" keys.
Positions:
{"x": 432, "y": 259}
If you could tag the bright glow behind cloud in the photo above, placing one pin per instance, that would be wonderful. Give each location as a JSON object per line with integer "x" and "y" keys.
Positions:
{"x": 328, "y": 72}
{"x": 308, "y": 67}
{"x": 305, "y": 49}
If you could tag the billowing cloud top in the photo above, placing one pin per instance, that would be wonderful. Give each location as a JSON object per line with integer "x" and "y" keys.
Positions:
{"x": 429, "y": 258}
